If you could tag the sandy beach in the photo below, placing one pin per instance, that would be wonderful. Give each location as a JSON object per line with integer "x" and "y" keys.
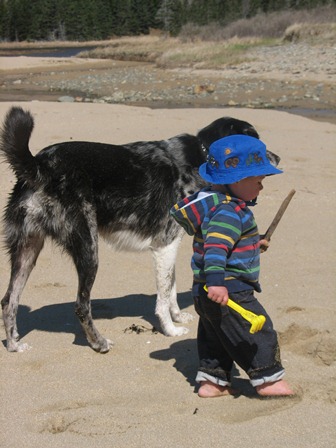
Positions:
{"x": 142, "y": 393}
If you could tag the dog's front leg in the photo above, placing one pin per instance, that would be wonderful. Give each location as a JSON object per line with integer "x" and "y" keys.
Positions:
{"x": 167, "y": 309}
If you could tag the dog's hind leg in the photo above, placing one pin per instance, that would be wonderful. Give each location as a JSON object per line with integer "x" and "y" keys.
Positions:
{"x": 23, "y": 259}
{"x": 167, "y": 309}
{"x": 84, "y": 250}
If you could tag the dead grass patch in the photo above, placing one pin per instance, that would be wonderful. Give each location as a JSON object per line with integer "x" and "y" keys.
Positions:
{"x": 311, "y": 33}
{"x": 207, "y": 54}
{"x": 139, "y": 48}
{"x": 172, "y": 52}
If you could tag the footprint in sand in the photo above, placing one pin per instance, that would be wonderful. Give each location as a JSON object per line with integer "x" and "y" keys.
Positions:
{"x": 84, "y": 418}
{"x": 310, "y": 342}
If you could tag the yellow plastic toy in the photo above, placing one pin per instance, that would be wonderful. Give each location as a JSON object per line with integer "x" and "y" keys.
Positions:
{"x": 256, "y": 321}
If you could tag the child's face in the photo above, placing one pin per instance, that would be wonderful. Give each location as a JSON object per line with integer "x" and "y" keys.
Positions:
{"x": 248, "y": 188}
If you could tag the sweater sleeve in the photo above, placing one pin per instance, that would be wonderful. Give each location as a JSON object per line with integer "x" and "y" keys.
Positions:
{"x": 221, "y": 230}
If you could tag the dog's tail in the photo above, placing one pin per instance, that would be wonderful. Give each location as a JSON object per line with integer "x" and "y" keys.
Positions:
{"x": 14, "y": 139}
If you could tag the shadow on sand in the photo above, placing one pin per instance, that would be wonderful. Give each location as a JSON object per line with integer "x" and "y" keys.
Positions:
{"x": 61, "y": 318}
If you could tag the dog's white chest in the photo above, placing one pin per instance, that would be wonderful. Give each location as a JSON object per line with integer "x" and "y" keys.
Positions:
{"x": 127, "y": 240}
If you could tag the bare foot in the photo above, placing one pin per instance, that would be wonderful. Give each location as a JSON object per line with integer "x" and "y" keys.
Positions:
{"x": 211, "y": 390}
{"x": 276, "y": 389}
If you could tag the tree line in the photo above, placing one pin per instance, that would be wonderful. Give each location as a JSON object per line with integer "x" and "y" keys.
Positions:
{"x": 82, "y": 20}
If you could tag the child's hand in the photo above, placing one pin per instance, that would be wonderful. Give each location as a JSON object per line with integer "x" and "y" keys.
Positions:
{"x": 263, "y": 244}
{"x": 218, "y": 294}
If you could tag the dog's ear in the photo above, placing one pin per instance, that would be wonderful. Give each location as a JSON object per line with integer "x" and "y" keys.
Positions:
{"x": 273, "y": 158}
{"x": 222, "y": 128}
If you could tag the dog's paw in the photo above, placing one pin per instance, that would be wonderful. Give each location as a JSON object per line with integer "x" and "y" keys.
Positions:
{"x": 183, "y": 318}
{"x": 179, "y": 331}
{"x": 106, "y": 346}
{"x": 175, "y": 331}
{"x": 19, "y": 347}
{"x": 103, "y": 346}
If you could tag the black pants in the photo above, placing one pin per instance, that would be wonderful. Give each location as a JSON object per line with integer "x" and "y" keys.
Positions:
{"x": 224, "y": 337}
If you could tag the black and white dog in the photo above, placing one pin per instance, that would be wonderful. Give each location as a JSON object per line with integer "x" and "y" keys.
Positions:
{"x": 73, "y": 191}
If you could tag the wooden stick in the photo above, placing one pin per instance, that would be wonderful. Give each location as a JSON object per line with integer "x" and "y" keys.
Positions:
{"x": 277, "y": 218}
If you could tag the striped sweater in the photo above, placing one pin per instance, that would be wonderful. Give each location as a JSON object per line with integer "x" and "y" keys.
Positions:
{"x": 226, "y": 240}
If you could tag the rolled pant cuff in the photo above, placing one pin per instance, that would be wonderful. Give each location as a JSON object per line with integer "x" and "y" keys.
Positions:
{"x": 268, "y": 379}
{"x": 202, "y": 376}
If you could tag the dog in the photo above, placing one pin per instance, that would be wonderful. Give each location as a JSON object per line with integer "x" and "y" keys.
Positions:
{"x": 74, "y": 191}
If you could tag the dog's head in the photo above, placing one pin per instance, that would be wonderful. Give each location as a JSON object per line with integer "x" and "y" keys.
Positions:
{"x": 225, "y": 126}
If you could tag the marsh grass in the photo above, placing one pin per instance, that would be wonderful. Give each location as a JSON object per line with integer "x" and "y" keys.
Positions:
{"x": 216, "y": 46}
{"x": 208, "y": 54}
{"x": 136, "y": 48}
{"x": 172, "y": 52}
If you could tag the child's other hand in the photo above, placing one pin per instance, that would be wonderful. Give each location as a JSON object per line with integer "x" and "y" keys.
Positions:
{"x": 218, "y": 294}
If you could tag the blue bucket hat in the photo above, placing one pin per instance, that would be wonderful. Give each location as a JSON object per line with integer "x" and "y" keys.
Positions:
{"x": 234, "y": 158}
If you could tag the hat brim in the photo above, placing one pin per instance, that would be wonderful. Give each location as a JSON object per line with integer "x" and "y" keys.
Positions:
{"x": 214, "y": 177}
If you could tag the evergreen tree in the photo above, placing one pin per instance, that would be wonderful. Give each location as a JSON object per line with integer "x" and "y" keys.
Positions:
{"x": 42, "y": 19}
{"x": 104, "y": 18}
{"x": 4, "y": 20}
{"x": 101, "y": 19}
{"x": 169, "y": 15}
{"x": 122, "y": 16}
